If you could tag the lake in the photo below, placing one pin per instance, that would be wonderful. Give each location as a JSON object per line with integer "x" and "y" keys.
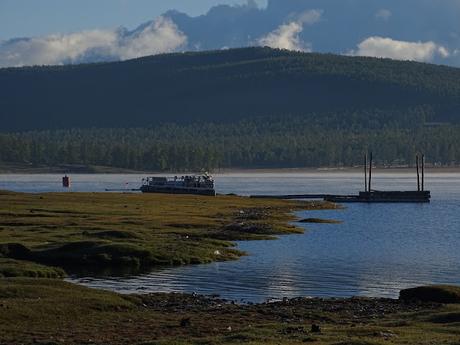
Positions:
{"x": 376, "y": 251}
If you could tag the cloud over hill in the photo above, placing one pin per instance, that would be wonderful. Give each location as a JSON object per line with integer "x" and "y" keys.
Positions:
{"x": 158, "y": 36}
{"x": 421, "y": 30}
{"x": 400, "y": 50}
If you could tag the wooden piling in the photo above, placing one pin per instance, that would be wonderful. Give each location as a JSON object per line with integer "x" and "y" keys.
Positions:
{"x": 370, "y": 174}
{"x": 365, "y": 172}
{"x": 418, "y": 172}
{"x": 369, "y": 195}
{"x": 423, "y": 173}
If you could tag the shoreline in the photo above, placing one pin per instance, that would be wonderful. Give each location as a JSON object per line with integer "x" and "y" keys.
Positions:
{"x": 41, "y": 311}
{"x": 351, "y": 170}
{"x": 117, "y": 229}
{"x": 133, "y": 232}
{"x": 18, "y": 169}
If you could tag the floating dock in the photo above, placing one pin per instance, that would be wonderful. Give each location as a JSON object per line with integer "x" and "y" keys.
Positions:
{"x": 369, "y": 195}
{"x": 383, "y": 197}
{"x": 363, "y": 197}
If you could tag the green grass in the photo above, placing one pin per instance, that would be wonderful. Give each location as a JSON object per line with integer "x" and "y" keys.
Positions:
{"x": 433, "y": 293}
{"x": 114, "y": 231}
{"x": 16, "y": 268}
{"x": 54, "y": 312}
{"x": 105, "y": 231}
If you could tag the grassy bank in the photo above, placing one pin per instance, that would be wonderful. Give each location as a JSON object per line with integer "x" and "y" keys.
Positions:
{"x": 105, "y": 231}
{"x": 41, "y": 311}
{"x": 40, "y": 234}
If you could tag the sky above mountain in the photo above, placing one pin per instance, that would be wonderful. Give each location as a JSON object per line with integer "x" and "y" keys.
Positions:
{"x": 65, "y": 31}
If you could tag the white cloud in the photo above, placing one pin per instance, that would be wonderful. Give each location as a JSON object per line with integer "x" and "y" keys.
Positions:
{"x": 383, "y": 14}
{"x": 442, "y": 51}
{"x": 159, "y": 36}
{"x": 400, "y": 50}
{"x": 287, "y": 36}
{"x": 53, "y": 49}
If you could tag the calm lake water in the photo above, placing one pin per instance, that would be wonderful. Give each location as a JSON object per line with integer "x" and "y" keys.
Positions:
{"x": 378, "y": 250}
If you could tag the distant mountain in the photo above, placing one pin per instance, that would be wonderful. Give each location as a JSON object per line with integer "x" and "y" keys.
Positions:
{"x": 252, "y": 107}
{"x": 224, "y": 86}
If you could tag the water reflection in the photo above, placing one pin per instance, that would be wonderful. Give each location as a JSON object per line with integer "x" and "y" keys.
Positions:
{"x": 378, "y": 250}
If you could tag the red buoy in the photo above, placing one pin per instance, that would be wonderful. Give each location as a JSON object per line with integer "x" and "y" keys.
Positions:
{"x": 66, "y": 182}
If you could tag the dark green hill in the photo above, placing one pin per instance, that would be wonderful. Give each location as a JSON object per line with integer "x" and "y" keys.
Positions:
{"x": 254, "y": 107}
{"x": 228, "y": 86}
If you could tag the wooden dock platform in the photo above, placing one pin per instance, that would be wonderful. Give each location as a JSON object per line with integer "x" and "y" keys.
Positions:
{"x": 362, "y": 197}
{"x": 384, "y": 197}
{"x": 293, "y": 196}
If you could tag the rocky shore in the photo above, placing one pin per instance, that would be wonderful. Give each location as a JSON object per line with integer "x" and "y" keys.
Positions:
{"x": 52, "y": 312}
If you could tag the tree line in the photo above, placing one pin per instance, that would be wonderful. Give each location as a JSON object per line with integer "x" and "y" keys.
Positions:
{"x": 257, "y": 143}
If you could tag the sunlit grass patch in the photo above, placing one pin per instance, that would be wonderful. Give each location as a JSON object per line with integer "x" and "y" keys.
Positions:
{"x": 15, "y": 268}
{"x": 111, "y": 230}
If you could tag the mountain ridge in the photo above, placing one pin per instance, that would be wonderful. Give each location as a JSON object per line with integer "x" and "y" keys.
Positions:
{"x": 220, "y": 86}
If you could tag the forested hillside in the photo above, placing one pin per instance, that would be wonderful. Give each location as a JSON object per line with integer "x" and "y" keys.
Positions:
{"x": 254, "y": 107}
{"x": 292, "y": 142}
{"x": 220, "y": 86}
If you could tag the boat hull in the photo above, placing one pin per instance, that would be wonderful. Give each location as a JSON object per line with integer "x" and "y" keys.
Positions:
{"x": 173, "y": 190}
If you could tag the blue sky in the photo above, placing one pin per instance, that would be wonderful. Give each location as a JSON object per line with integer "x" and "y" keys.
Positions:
{"x": 25, "y": 18}
{"x": 55, "y": 32}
